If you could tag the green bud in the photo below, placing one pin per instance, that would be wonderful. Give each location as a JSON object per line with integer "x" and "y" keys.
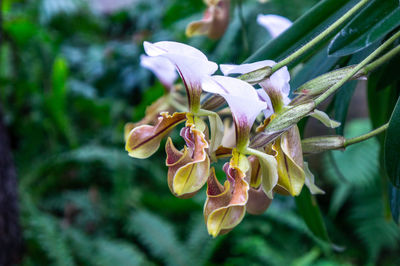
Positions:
{"x": 256, "y": 76}
{"x": 289, "y": 117}
{"x": 322, "y": 143}
{"x": 321, "y": 83}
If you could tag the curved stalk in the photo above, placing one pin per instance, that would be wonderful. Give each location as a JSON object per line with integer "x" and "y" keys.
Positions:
{"x": 363, "y": 63}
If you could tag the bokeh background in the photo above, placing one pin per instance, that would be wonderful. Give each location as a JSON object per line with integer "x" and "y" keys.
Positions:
{"x": 69, "y": 81}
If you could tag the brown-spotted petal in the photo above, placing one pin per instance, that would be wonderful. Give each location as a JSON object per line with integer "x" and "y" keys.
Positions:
{"x": 226, "y": 209}
{"x": 144, "y": 140}
{"x": 188, "y": 170}
{"x": 290, "y": 163}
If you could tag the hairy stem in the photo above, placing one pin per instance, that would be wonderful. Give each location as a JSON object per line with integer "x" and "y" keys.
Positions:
{"x": 361, "y": 138}
{"x": 320, "y": 36}
{"x": 363, "y": 63}
{"x": 383, "y": 59}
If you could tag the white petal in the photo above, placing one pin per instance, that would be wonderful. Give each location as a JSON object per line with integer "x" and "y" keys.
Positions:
{"x": 242, "y": 98}
{"x": 279, "y": 81}
{"x": 191, "y": 64}
{"x": 265, "y": 98}
{"x": 245, "y": 68}
{"x": 274, "y": 24}
{"x": 159, "y": 48}
{"x": 161, "y": 67}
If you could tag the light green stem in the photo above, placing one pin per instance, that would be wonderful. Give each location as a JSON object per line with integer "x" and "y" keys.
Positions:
{"x": 369, "y": 58}
{"x": 320, "y": 36}
{"x": 361, "y": 138}
{"x": 386, "y": 57}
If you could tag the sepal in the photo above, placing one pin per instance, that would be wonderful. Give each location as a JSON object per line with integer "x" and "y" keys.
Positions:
{"x": 290, "y": 163}
{"x": 144, "y": 140}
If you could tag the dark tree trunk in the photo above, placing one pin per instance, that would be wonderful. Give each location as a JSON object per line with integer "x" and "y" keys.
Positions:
{"x": 10, "y": 231}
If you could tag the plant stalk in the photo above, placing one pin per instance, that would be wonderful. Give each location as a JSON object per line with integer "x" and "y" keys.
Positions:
{"x": 320, "y": 36}
{"x": 369, "y": 58}
{"x": 361, "y": 138}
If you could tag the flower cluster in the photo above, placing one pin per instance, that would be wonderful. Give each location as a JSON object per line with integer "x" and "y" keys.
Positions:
{"x": 254, "y": 173}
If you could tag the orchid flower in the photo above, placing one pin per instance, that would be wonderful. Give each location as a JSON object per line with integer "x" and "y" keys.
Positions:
{"x": 189, "y": 168}
{"x": 274, "y": 24}
{"x": 214, "y": 22}
{"x": 226, "y": 204}
{"x": 287, "y": 148}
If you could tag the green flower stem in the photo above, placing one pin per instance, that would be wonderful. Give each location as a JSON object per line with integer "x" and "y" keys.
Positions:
{"x": 369, "y": 58}
{"x": 361, "y": 138}
{"x": 386, "y": 57}
{"x": 319, "y": 37}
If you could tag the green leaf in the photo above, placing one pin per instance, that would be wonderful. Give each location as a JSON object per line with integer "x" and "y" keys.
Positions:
{"x": 392, "y": 147}
{"x": 371, "y": 24}
{"x": 303, "y": 29}
{"x": 394, "y": 199}
{"x": 309, "y": 210}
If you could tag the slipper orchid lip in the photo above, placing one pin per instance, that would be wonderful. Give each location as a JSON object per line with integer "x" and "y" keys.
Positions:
{"x": 275, "y": 24}
{"x": 242, "y": 99}
{"x": 162, "y": 68}
{"x": 191, "y": 64}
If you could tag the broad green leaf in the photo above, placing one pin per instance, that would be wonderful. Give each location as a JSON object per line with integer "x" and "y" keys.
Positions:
{"x": 382, "y": 93}
{"x": 303, "y": 29}
{"x": 371, "y": 24}
{"x": 309, "y": 210}
{"x": 394, "y": 199}
{"x": 392, "y": 147}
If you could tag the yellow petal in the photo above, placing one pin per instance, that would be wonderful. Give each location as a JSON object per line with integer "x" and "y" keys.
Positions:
{"x": 224, "y": 209}
{"x": 290, "y": 163}
{"x": 188, "y": 170}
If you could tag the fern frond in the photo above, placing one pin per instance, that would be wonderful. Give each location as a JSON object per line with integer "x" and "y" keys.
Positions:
{"x": 159, "y": 237}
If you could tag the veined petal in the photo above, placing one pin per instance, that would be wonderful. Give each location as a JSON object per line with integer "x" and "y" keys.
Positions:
{"x": 191, "y": 64}
{"x": 242, "y": 99}
{"x": 162, "y": 68}
{"x": 290, "y": 163}
{"x": 274, "y": 24}
{"x": 188, "y": 170}
{"x": 225, "y": 206}
{"x": 214, "y": 22}
{"x": 310, "y": 181}
{"x": 144, "y": 140}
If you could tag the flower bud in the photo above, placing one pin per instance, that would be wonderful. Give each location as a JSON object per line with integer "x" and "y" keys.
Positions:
{"x": 290, "y": 117}
{"x": 321, "y": 83}
{"x": 321, "y": 144}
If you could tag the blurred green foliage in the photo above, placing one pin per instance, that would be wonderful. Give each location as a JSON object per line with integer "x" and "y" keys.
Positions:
{"x": 70, "y": 79}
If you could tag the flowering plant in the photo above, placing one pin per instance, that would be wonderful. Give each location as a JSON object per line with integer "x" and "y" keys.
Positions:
{"x": 262, "y": 142}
